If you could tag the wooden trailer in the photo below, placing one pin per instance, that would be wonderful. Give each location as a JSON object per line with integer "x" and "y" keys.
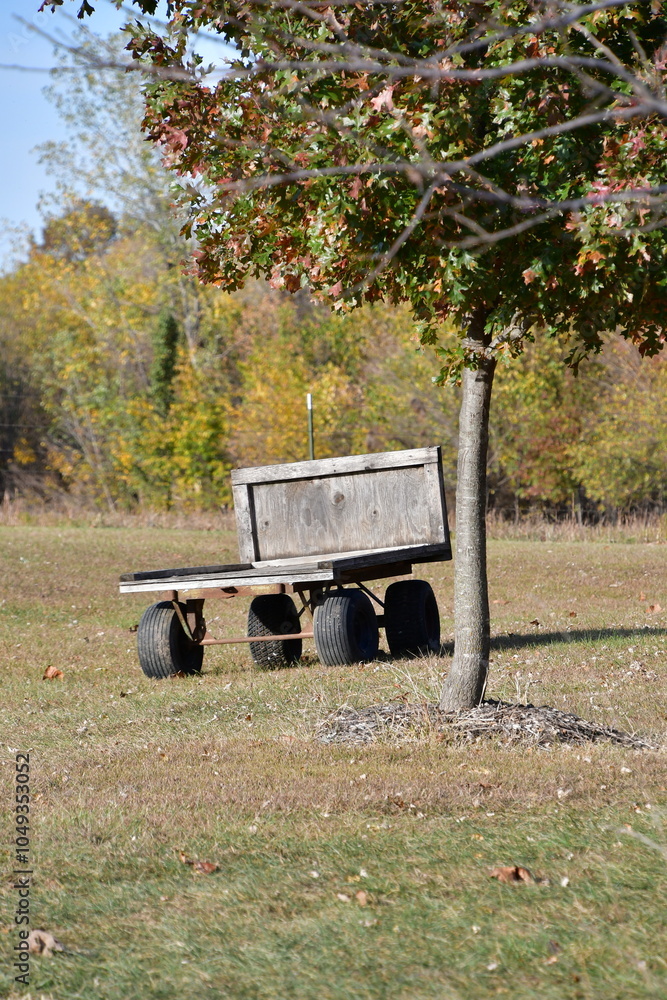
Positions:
{"x": 316, "y": 531}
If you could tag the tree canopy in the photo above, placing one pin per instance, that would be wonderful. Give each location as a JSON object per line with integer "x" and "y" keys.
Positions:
{"x": 369, "y": 150}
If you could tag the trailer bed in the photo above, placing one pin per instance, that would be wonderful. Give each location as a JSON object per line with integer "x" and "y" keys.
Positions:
{"x": 306, "y": 531}
{"x": 344, "y": 567}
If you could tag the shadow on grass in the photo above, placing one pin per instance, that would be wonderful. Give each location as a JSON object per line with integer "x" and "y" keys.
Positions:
{"x": 514, "y": 640}
{"x": 510, "y": 640}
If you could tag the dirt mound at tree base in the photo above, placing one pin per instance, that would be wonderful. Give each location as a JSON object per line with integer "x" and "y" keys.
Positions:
{"x": 512, "y": 724}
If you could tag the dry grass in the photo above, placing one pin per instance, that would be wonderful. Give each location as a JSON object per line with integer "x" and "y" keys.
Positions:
{"x": 64, "y": 510}
{"x": 537, "y": 528}
{"x": 67, "y": 510}
{"x": 226, "y": 767}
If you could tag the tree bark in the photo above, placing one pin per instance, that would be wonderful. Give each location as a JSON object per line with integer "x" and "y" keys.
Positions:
{"x": 464, "y": 686}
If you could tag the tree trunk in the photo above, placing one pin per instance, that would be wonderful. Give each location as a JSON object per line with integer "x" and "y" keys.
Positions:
{"x": 465, "y": 683}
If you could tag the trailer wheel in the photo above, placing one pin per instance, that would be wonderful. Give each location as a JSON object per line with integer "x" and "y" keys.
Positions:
{"x": 412, "y": 619}
{"x": 274, "y": 614}
{"x": 346, "y": 629}
{"x": 163, "y": 646}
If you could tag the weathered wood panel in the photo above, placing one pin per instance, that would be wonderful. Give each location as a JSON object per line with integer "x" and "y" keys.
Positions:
{"x": 374, "y": 510}
{"x": 245, "y": 523}
{"x": 335, "y": 466}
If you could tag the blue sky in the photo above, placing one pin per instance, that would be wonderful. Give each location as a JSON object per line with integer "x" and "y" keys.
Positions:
{"x": 28, "y": 118}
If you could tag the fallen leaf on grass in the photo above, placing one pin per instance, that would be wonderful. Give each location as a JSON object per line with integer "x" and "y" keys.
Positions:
{"x": 178, "y": 674}
{"x": 554, "y": 948}
{"x": 43, "y": 943}
{"x": 535, "y": 622}
{"x": 203, "y": 867}
{"x": 52, "y": 674}
{"x": 573, "y": 614}
{"x": 653, "y": 609}
{"x": 361, "y": 897}
{"x": 511, "y": 873}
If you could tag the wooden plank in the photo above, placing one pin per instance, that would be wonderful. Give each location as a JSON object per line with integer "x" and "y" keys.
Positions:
{"x": 199, "y": 571}
{"x": 364, "y": 566}
{"x": 245, "y": 523}
{"x": 381, "y": 509}
{"x": 222, "y": 593}
{"x": 335, "y": 466}
{"x": 417, "y": 553}
{"x": 314, "y": 576}
{"x": 435, "y": 503}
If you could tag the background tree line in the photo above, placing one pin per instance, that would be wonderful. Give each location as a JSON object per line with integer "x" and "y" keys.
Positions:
{"x": 126, "y": 382}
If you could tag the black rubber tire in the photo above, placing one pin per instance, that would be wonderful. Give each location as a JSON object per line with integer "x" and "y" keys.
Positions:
{"x": 346, "y": 629}
{"x": 411, "y": 619}
{"x": 274, "y": 614}
{"x": 163, "y": 646}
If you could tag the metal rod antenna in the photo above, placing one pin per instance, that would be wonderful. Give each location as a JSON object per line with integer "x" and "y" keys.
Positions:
{"x": 311, "y": 438}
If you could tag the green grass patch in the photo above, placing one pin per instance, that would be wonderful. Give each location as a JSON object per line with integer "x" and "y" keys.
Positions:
{"x": 344, "y": 872}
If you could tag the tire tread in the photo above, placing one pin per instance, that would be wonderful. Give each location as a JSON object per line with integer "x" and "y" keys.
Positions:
{"x": 412, "y": 620}
{"x": 163, "y": 647}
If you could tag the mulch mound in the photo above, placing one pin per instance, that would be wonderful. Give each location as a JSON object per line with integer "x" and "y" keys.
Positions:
{"x": 511, "y": 724}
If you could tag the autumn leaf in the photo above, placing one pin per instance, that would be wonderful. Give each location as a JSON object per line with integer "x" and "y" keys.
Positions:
{"x": 653, "y": 609}
{"x": 511, "y": 873}
{"x": 383, "y": 100}
{"x": 361, "y": 897}
{"x": 43, "y": 943}
{"x": 533, "y": 49}
{"x": 205, "y": 867}
{"x": 529, "y": 275}
{"x": 52, "y": 674}
{"x": 535, "y": 621}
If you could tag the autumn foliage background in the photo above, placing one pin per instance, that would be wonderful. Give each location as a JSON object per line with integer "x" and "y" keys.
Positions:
{"x": 125, "y": 384}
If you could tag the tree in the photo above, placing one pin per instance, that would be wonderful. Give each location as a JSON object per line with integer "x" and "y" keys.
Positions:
{"x": 83, "y": 229}
{"x": 165, "y": 357}
{"x": 344, "y": 153}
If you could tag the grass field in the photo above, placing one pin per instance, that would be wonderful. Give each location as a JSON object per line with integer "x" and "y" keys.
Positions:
{"x": 345, "y": 873}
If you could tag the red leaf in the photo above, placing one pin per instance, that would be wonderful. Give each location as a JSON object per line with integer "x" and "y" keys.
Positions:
{"x": 383, "y": 100}
{"x": 511, "y": 873}
{"x": 52, "y": 674}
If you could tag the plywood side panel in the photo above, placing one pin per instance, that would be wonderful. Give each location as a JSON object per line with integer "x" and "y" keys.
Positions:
{"x": 391, "y": 507}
